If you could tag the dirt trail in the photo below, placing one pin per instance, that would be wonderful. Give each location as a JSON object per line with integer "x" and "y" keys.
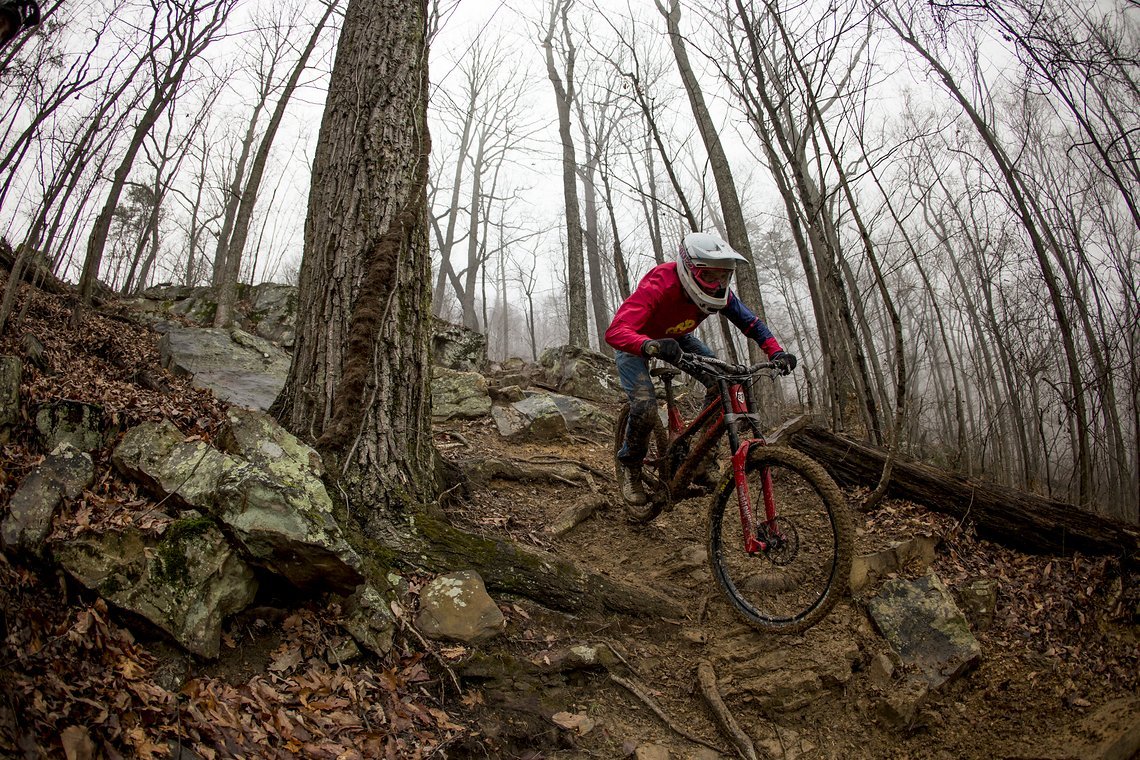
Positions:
{"x": 813, "y": 696}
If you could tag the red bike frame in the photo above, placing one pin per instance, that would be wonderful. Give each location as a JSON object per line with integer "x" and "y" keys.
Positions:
{"x": 730, "y": 413}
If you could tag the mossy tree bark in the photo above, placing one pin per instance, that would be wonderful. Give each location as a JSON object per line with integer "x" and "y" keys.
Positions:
{"x": 358, "y": 383}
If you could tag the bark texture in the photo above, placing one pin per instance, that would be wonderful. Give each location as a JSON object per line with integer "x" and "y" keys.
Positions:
{"x": 1015, "y": 518}
{"x": 359, "y": 378}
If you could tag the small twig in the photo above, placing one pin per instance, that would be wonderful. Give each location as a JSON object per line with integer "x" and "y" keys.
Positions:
{"x": 430, "y": 650}
{"x": 706, "y": 677}
{"x": 636, "y": 691}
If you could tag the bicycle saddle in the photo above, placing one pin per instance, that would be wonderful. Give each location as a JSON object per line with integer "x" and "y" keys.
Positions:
{"x": 668, "y": 373}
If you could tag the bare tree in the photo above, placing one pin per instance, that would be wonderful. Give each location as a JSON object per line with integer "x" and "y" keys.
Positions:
{"x": 182, "y": 31}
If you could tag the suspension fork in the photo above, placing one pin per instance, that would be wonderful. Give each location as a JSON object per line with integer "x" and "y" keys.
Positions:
{"x": 738, "y": 403}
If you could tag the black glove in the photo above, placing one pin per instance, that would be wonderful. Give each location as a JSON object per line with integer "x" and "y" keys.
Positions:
{"x": 666, "y": 348}
{"x": 784, "y": 361}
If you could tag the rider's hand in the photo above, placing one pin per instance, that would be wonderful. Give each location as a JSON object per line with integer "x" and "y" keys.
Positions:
{"x": 784, "y": 361}
{"x": 666, "y": 348}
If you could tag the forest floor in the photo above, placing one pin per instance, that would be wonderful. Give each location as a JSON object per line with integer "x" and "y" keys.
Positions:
{"x": 1062, "y": 643}
{"x": 80, "y": 680}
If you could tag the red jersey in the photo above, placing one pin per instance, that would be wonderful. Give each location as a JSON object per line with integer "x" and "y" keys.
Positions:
{"x": 659, "y": 308}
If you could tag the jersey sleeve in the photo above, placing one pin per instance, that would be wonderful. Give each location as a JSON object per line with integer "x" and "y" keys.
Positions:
{"x": 751, "y": 325}
{"x": 627, "y": 329}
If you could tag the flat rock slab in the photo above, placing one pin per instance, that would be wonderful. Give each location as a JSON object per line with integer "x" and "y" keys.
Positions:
{"x": 238, "y": 367}
{"x": 921, "y": 622}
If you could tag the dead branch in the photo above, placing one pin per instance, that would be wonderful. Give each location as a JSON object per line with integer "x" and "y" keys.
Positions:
{"x": 706, "y": 677}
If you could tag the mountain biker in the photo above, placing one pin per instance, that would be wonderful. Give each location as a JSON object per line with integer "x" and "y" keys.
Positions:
{"x": 16, "y": 15}
{"x": 658, "y": 319}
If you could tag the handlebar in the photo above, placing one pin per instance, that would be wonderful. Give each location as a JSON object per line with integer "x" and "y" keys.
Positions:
{"x": 710, "y": 365}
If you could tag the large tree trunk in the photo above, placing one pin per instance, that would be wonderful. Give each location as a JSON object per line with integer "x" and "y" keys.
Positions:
{"x": 358, "y": 383}
{"x": 1016, "y": 518}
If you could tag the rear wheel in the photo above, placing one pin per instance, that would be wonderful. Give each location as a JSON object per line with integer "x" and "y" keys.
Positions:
{"x": 653, "y": 475}
{"x": 793, "y": 583}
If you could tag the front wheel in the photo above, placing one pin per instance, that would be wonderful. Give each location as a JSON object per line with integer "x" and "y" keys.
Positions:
{"x": 792, "y": 583}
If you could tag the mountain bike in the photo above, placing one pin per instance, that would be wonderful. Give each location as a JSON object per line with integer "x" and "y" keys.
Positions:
{"x": 781, "y": 570}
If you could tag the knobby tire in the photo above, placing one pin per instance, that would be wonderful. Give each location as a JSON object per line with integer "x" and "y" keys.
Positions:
{"x": 789, "y": 591}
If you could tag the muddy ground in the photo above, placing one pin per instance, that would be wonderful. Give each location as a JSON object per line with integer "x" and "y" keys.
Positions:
{"x": 1061, "y": 644}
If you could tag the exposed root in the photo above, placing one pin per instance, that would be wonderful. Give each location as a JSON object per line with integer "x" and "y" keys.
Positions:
{"x": 637, "y": 691}
{"x": 706, "y": 677}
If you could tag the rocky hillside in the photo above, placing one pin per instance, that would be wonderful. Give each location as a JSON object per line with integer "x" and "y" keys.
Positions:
{"x": 174, "y": 582}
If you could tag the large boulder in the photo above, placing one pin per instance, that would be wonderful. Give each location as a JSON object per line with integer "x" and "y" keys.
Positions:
{"x": 458, "y": 395}
{"x": 75, "y": 422}
{"x": 924, "y": 626}
{"x": 186, "y": 582}
{"x": 275, "y": 508}
{"x": 535, "y": 418}
{"x": 271, "y": 312}
{"x": 11, "y": 372}
{"x": 457, "y": 347}
{"x": 60, "y": 478}
{"x": 544, "y": 416}
{"x": 582, "y": 373}
{"x": 238, "y": 367}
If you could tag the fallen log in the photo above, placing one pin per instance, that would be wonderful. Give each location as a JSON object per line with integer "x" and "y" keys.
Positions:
{"x": 1014, "y": 518}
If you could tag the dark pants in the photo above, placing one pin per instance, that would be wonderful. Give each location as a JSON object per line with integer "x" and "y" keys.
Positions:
{"x": 633, "y": 371}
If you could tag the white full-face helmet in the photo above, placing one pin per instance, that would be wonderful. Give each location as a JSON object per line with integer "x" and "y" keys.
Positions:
{"x": 705, "y": 264}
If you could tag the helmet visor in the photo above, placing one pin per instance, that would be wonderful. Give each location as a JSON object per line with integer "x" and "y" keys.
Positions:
{"x": 713, "y": 280}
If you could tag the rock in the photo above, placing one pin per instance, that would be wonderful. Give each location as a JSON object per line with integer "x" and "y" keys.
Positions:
{"x": 271, "y": 312}
{"x": 186, "y": 582}
{"x": 238, "y": 367}
{"x": 535, "y": 418}
{"x": 60, "y": 478}
{"x": 578, "y": 657}
{"x": 869, "y": 569}
{"x": 456, "y": 347}
{"x": 457, "y": 607}
{"x": 508, "y": 395}
{"x": 11, "y": 373}
{"x": 582, "y": 373}
{"x": 194, "y": 303}
{"x": 260, "y": 440}
{"x": 900, "y": 705}
{"x": 369, "y": 620}
{"x": 881, "y": 670}
{"x": 458, "y": 395}
{"x": 277, "y": 509}
{"x": 979, "y": 600}
{"x": 788, "y": 677}
{"x": 925, "y": 628}
{"x": 73, "y": 422}
{"x": 652, "y": 752}
{"x": 581, "y": 416}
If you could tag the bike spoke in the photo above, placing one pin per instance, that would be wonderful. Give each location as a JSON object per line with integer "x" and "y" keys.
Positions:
{"x": 794, "y": 580}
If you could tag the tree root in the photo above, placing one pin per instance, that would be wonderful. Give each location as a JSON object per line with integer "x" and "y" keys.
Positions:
{"x": 574, "y": 515}
{"x": 706, "y": 677}
{"x": 636, "y": 691}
